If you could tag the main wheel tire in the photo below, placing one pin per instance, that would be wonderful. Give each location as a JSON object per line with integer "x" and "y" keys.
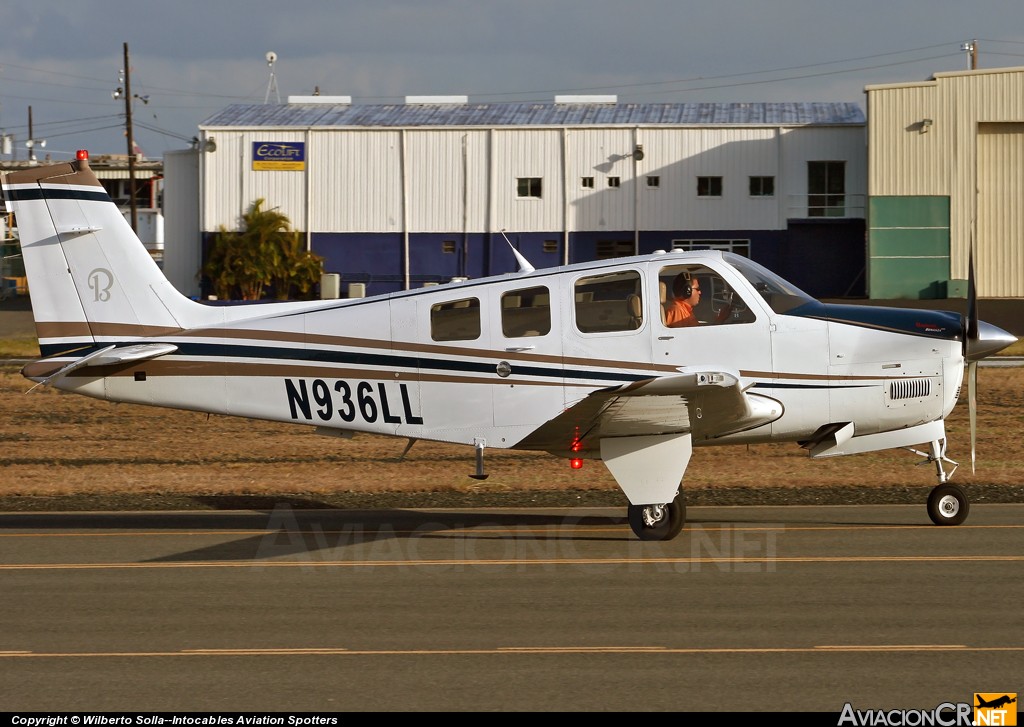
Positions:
{"x": 948, "y": 505}
{"x": 658, "y": 522}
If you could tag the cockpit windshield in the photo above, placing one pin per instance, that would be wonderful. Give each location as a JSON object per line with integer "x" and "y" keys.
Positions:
{"x": 781, "y": 295}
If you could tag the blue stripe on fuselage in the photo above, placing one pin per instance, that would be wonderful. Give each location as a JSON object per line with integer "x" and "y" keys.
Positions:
{"x": 940, "y": 324}
{"x": 354, "y": 358}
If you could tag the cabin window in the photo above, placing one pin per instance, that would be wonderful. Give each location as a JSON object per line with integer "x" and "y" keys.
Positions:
{"x": 457, "y": 320}
{"x": 695, "y": 295}
{"x": 526, "y": 313}
{"x": 612, "y": 302}
{"x": 528, "y": 187}
{"x": 762, "y": 186}
{"x": 709, "y": 186}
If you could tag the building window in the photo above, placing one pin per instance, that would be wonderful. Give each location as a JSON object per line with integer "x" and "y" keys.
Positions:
{"x": 608, "y": 249}
{"x": 526, "y": 313}
{"x": 550, "y": 246}
{"x": 740, "y": 247}
{"x": 826, "y": 189}
{"x": 609, "y": 302}
{"x": 653, "y": 181}
{"x": 587, "y": 182}
{"x": 709, "y": 186}
{"x": 458, "y": 320}
{"x": 528, "y": 187}
{"x": 762, "y": 186}
{"x": 448, "y": 247}
{"x": 614, "y": 182}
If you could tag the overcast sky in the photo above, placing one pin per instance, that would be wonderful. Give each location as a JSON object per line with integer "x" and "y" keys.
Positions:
{"x": 192, "y": 58}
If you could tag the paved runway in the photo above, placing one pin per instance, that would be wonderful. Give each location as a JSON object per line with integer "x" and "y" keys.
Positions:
{"x": 750, "y": 609}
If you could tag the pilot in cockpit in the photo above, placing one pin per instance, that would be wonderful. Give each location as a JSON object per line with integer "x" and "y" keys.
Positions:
{"x": 686, "y": 296}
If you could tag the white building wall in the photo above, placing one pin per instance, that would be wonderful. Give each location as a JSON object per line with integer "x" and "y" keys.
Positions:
{"x": 455, "y": 179}
{"x": 603, "y": 155}
{"x": 182, "y": 246}
{"x": 527, "y": 153}
{"x": 231, "y": 186}
{"x": 447, "y": 179}
{"x": 805, "y": 144}
{"x": 355, "y": 181}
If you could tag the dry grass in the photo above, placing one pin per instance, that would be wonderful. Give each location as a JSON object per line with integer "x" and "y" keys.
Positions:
{"x": 59, "y": 444}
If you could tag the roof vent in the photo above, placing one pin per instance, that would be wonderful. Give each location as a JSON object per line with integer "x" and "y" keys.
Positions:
{"x": 411, "y": 100}
{"x": 587, "y": 99}
{"x": 320, "y": 99}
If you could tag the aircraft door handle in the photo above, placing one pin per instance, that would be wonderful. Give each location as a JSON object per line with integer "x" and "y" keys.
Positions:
{"x": 517, "y": 349}
{"x": 665, "y": 338}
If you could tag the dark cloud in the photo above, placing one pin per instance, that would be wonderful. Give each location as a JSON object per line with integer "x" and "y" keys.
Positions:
{"x": 193, "y": 58}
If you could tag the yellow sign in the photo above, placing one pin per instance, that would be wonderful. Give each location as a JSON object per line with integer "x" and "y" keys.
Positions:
{"x": 998, "y": 709}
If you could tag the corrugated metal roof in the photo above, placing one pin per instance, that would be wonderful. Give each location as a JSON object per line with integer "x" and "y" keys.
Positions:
{"x": 536, "y": 114}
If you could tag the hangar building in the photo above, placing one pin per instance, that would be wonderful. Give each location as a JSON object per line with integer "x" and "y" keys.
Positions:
{"x": 404, "y": 195}
{"x": 946, "y": 166}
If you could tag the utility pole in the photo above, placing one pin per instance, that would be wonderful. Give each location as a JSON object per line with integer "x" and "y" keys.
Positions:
{"x": 131, "y": 139}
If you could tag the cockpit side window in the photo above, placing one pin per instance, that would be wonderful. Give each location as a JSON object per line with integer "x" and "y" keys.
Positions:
{"x": 611, "y": 302}
{"x": 696, "y": 295}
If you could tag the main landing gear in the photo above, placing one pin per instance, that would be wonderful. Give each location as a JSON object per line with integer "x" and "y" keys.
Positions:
{"x": 658, "y": 522}
{"x": 947, "y": 503}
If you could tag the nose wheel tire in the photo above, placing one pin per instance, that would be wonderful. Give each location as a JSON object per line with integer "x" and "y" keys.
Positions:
{"x": 948, "y": 505}
{"x": 658, "y": 522}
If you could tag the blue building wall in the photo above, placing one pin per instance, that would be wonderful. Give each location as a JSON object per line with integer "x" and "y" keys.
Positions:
{"x": 825, "y": 258}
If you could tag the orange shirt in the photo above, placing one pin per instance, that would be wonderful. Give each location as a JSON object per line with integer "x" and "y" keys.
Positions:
{"x": 680, "y": 314}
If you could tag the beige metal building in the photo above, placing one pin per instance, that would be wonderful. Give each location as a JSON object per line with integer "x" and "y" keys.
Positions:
{"x": 945, "y": 167}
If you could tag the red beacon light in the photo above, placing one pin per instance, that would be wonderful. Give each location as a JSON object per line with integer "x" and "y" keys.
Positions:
{"x": 82, "y": 155}
{"x": 576, "y": 463}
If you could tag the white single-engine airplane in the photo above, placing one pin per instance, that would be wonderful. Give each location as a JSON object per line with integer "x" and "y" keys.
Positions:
{"x": 578, "y": 361}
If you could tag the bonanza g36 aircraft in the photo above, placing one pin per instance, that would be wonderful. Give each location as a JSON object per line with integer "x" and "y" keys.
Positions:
{"x": 577, "y": 361}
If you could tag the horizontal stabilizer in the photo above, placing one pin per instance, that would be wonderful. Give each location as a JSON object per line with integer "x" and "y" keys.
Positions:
{"x": 109, "y": 356}
{"x": 132, "y": 353}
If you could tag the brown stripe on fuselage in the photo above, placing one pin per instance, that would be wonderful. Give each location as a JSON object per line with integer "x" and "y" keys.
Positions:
{"x": 169, "y": 368}
{"x": 49, "y": 330}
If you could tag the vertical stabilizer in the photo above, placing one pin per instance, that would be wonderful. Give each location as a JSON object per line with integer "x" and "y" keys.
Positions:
{"x": 90, "y": 277}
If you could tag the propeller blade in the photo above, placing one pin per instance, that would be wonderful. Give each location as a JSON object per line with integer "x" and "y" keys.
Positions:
{"x": 972, "y": 299}
{"x": 972, "y": 405}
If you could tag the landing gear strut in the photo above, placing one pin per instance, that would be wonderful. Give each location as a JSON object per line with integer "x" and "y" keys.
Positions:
{"x": 947, "y": 503}
{"x": 658, "y": 522}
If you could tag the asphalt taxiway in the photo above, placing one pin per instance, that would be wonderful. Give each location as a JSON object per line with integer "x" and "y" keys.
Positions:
{"x": 749, "y": 609}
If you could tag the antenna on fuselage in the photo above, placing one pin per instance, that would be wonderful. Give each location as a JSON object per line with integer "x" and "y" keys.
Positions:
{"x": 524, "y": 264}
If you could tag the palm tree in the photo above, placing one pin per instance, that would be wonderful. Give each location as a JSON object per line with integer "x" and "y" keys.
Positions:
{"x": 266, "y": 252}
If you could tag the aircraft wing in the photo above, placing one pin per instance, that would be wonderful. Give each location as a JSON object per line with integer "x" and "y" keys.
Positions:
{"x": 707, "y": 403}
